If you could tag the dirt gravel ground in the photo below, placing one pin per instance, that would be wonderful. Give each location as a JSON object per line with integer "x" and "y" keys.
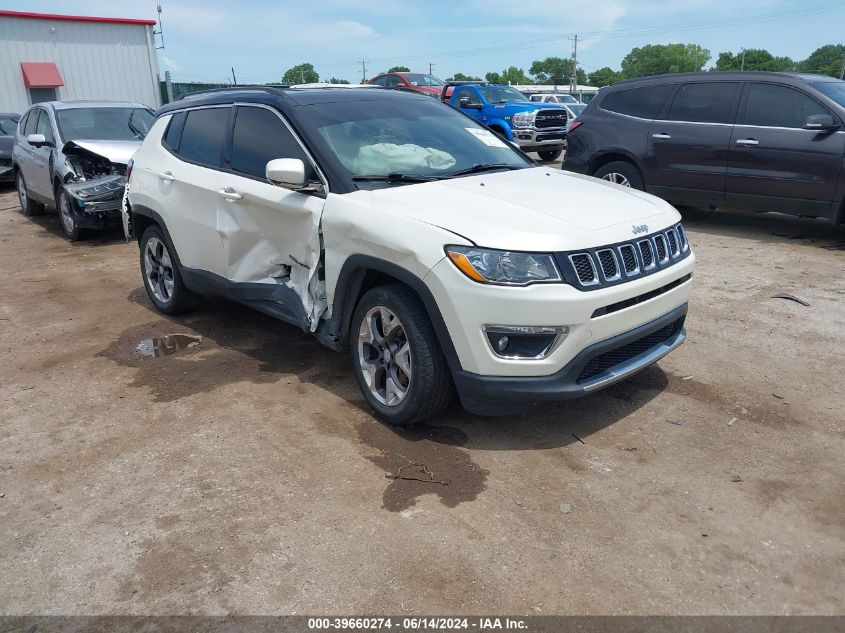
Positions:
{"x": 245, "y": 475}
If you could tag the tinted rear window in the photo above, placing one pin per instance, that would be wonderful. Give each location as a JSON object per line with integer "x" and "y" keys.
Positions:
{"x": 204, "y": 135}
{"x": 644, "y": 102}
{"x": 711, "y": 102}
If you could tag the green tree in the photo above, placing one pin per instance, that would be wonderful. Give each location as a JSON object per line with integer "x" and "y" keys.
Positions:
{"x": 755, "y": 59}
{"x": 603, "y": 77}
{"x": 399, "y": 69}
{"x": 655, "y": 59}
{"x": 554, "y": 71}
{"x": 335, "y": 80}
{"x": 301, "y": 74}
{"x": 463, "y": 77}
{"x": 512, "y": 75}
{"x": 826, "y": 60}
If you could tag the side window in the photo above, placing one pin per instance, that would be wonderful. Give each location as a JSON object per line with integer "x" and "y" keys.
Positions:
{"x": 174, "y": 131}
{"x": 393, "y": 81}
{"x": 792, "y": 106}
{"x": 469, "y": 93}
{"x": 644, "y": 102}
{"x": 204, "y": 135}
{"x": 44, "y": 127}
{"x": 259, "y": 137}
{"x": 710, "y": 102}
{"x": 31, "y": 120}
{"x": 380, "y": 81}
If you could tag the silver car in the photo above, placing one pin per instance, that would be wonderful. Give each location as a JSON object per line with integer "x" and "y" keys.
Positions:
{"x": 72, "y": 155}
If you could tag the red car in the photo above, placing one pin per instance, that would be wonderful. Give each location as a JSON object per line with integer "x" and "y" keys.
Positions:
{"x": 418, "y": 82}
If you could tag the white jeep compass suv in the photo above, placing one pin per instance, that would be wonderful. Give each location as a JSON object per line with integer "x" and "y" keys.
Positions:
{"x": 391, "y": 225}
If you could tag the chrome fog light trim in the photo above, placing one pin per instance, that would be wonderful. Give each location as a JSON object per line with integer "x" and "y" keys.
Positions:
{"x": 542, "y": 340}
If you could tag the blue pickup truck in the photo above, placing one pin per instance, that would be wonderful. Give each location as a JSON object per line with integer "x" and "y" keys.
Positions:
{"x": 534, "y": 127}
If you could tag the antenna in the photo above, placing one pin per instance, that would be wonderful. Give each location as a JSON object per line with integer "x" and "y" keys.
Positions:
{"x": 160, "y": 31}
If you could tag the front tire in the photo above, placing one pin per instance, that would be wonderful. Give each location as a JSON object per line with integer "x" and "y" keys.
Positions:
{"x": 622, "y": 173}
{"x": 70, "y": 225}
{"x": 397, "y": 360}
{"x": 29, "y": 207}
{"x": 550, "y": 155}
{"x": 162, "y": 277}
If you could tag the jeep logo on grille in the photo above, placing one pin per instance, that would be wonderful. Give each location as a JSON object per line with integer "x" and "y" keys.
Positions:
{"x": 640, "y": 228}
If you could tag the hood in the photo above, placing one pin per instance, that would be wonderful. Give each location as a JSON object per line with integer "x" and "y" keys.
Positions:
{"x": 525, "y": 106}
{"x": 432, "y": 90}
{"x": 535, "y": 209}
{"x": 113, "y": 151}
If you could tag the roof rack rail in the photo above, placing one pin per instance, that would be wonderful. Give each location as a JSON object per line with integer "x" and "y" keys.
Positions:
{"x": 269, "y": 89}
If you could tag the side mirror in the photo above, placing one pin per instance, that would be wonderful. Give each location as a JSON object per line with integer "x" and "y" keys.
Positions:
{"x": 37, "y": 140}
{"x": 464, "y": 103}
{"x": 820, "y": 122}
{"x": 288, "y": 172}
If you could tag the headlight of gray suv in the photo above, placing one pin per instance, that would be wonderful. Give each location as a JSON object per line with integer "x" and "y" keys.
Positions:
{"x": 508, "y": 268}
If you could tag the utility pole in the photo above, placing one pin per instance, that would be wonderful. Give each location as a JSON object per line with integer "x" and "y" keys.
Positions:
{"x": 168, "y": 84}
{"x": 430, "y": 68}
{"x": 234, "y": 79}
{"x": 742, "y": 66}
{"x": 363, "y": 71}
{"x": 842, "y": 72}
{"x": 573, "y": 82}
{"x": 302, "y": 75}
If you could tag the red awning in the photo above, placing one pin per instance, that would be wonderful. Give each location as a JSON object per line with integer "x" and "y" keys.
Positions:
{"x": 41, "y": 75}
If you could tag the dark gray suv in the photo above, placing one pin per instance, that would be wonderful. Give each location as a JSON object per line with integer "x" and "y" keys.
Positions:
{"x": 745, "y": 140}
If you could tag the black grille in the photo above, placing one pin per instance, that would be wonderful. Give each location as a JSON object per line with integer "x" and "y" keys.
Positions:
{"x": 550, "y": 118}
{"x": 629, "y": 258}
{"x": 673, "y": 242}
{"x": 608, "y": 264}
{"x": 604, "y": 362}
{"x": 584, "y": 268}
{"x": 660, "y": 243}
{"x": 645, "y": 252}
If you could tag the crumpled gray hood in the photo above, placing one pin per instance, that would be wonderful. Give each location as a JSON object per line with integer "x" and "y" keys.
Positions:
{"x": 114, "y": 151}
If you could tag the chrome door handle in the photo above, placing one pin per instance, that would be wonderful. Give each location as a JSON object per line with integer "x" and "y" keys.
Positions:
{"x": 662, "y": 136}
{"x": 230, "y": 194}
{"x": 166, "y": 176}
{"x": 747, "y": 141}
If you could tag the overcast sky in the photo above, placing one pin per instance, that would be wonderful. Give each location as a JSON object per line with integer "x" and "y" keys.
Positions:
{"x": 205, "y": 38}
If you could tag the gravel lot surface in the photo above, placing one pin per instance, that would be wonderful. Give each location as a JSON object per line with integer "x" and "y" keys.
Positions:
{"x": 245, "y": 475}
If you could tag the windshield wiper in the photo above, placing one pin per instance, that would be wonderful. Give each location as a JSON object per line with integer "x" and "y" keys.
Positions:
{"x": 480, "y": 167}
{"x": 134, "y": 129}
{"x": 396, "y": 178}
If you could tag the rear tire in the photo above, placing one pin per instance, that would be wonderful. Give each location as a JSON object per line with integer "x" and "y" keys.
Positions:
{"x": 397, "y": 360}
{"x": 550, "y": 155}
{"x": 622, "y": 173}
{"x": 29, "y": 207}
{"x": 161, "y": 274}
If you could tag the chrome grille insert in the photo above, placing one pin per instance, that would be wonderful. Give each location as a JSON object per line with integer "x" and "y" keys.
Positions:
{"x": 647, "y": 253}
{"x": 660, "y": 245}
{"x": 585, "y": 269}
{"x": 609, "y": 265}
{"x": 682, "y": 237}
{"x": 629, "y": 259}
{"x": 674, "y": 247}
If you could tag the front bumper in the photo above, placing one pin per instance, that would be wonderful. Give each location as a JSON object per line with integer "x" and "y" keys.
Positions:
{"x": 598, "y": 366}
{"x": 532, "y": 139}
{"x": 96, "y": 214}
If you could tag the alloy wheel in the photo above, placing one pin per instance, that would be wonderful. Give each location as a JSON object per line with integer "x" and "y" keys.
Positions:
{"x": 384, "y": 355}
{"x": 64, "y": 211}
{"x": 22, "y": 197}
{"x": 617, "y": 178}
{"x": 158, "y": 270}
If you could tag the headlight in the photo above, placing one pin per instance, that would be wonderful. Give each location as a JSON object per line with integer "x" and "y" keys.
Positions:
{"x": 504, "y": 267}
{"x": 524, "y": 119}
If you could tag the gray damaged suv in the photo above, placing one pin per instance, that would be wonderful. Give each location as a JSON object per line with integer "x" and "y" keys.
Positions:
{"x": 745, "y": 140}
{"x": 72, "y": 155}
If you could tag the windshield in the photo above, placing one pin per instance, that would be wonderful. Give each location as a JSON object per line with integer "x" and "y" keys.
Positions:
{"x": 576, "y": 108}
{"x": 422, "y": 80}
{"x": 384, "y": 137}
{"x": 833, "y": 89}
{"x": 566, "y": 99}
{"x": 8, "y": 125}
{"x": 502, "y": 94}
{"x": 104, "y": 124}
